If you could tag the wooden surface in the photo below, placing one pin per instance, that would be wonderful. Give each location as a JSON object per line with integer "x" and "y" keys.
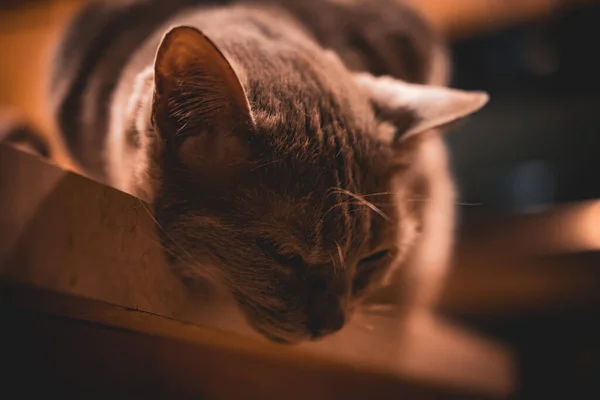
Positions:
{"x": 97, "y": 350}
{"x": 515, "y": 265}
{"x": 73, "y": 236}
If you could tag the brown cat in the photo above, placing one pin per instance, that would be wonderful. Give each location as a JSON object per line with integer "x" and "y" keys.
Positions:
{"x": 276, "y": 170}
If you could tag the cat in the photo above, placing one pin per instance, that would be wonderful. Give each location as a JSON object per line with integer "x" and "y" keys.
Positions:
{"x": 297, "y": 166}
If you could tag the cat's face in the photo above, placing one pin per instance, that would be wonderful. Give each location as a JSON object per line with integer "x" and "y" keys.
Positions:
{"x": 292, "y": 239}
{"x": 296, "y": 198}
{"x": 299, "y": 235}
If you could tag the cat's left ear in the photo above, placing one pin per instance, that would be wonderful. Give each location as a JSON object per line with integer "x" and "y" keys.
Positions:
{"x": 415, "y": 108}
{"x": 199, "y": 101}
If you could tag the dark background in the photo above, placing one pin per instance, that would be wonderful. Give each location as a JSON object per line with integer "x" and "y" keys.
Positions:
{"x": 537, "y": 144}
{"x": 538, "y": 141}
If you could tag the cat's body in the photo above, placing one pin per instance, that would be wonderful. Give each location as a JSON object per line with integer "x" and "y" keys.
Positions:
{"x": 383, "y": 37}
{"x": 273, "y": 168}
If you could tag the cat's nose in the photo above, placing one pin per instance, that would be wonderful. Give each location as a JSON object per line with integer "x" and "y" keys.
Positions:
{"x": 325, "y": 320}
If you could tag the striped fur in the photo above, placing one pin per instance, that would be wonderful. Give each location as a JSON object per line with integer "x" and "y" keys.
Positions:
{"x": 384, "y": 37}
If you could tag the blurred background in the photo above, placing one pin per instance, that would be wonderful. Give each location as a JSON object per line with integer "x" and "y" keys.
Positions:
{"x": 535, "y": 149}
{"x": 528, "y": 263}
{"x": 537, "y": 144}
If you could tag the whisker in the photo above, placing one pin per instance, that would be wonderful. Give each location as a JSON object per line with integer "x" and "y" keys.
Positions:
{"x": 364, "y": 326}
{"x": 363, "y": 201}
{"x": 386, "y": 310}
{"x": 167, "y": 250}
{"x": 470, "y": 204}
{"x": 165, "y": 233}
{"x": 267, "y": 164}
{"x": 340, "y": 204}
{"x": 424, "y": 200}
{"x": 369, "y": 327}
{"x": 379, "y": 194}
{"x": 378, "y": 307}
{"x": 340, "y": 255}
{"x": 466, "y": 204}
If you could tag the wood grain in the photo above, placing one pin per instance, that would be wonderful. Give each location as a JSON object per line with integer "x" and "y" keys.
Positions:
{"x": 79, "y": 347}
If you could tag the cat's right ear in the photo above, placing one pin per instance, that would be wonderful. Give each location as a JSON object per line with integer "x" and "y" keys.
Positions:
{"x": 199, "y": 102}
{"x": 414, "y": 108}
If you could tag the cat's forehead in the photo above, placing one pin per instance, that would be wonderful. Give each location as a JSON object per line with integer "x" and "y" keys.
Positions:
{"x": 304, "y": 84}
{"x": 321, "y": 142}
{"x": 312, "y": 120}
{"x": 314, "y": 196}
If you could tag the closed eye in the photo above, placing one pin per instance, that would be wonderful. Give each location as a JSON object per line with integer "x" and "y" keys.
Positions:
{"x": 375, "y": 257}
{"x": 271, "y": 249}
{"x": 367, "y": 268}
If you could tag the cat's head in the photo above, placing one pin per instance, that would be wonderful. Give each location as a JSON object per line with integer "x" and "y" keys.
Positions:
{"x": 289, "y": 180}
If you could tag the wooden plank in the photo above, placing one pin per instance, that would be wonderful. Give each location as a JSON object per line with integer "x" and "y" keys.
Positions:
{"x": 158, "y": 356}
{"x": 498, "y": 285}
{"x": 83, "y": 239}
{"x": 519, "y": 264}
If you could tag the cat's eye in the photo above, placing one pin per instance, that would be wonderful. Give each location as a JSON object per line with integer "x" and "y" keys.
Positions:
{"x": 367, "y": 268}
{"x": 375, "y": 257}
{"x": 271, "y": 249}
